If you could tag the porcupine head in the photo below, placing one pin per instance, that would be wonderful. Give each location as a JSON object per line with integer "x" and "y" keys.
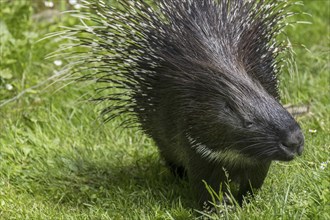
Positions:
{"x": 200, "y": 78}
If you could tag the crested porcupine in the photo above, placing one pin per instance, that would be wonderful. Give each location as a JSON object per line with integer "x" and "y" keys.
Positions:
{"x": 200, "y": 78}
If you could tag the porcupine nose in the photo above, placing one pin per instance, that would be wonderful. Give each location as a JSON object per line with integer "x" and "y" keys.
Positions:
{"x": 294, "y": 142}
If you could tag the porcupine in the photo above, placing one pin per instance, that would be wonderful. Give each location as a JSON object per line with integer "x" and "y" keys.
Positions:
{"x": 200, "y": 77}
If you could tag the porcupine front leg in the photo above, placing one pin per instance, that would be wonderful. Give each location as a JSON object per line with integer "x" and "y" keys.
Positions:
{"x": 252, "y": 180}
{"x": 171, "y": 161}
{"x": 200, "y": 172}
{"x": 176, "y": 170}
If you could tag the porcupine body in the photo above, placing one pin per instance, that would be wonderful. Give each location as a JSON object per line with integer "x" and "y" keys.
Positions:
{"x": 200, "y": 78}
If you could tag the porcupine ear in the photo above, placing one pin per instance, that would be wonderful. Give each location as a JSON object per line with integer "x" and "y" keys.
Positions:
{"x": 259, "y": 50}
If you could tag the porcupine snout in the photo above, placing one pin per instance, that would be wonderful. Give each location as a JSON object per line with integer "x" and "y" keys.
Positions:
{"x": 293, "y": 142}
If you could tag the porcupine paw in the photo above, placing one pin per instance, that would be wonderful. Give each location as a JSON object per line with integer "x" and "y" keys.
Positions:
{"x": 178, "y": 171}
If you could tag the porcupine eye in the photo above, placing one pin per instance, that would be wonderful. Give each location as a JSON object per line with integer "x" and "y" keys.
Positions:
{"x": 248, "y": 124}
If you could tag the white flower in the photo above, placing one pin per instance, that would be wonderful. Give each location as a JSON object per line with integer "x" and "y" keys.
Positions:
{"x": 73, "y": 2}
{"x": 58, "y": 62}
{"x": 77, "y": 6}
{"x": 324, "y": 165}
{"x": 312, "y": 131}
{"x": 49, "y": 4}
{"x": 9, "y": 87}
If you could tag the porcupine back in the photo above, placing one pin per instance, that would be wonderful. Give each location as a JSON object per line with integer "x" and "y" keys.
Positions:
{"x": 143, "y": 49}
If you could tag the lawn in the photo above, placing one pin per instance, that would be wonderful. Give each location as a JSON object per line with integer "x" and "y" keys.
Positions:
{"x": 58, "y": 160}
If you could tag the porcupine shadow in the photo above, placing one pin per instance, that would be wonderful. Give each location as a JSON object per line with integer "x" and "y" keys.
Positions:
{"x": 89, "y": 177}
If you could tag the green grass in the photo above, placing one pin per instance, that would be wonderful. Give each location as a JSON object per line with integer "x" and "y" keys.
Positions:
{"x": 58, "y": 161}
